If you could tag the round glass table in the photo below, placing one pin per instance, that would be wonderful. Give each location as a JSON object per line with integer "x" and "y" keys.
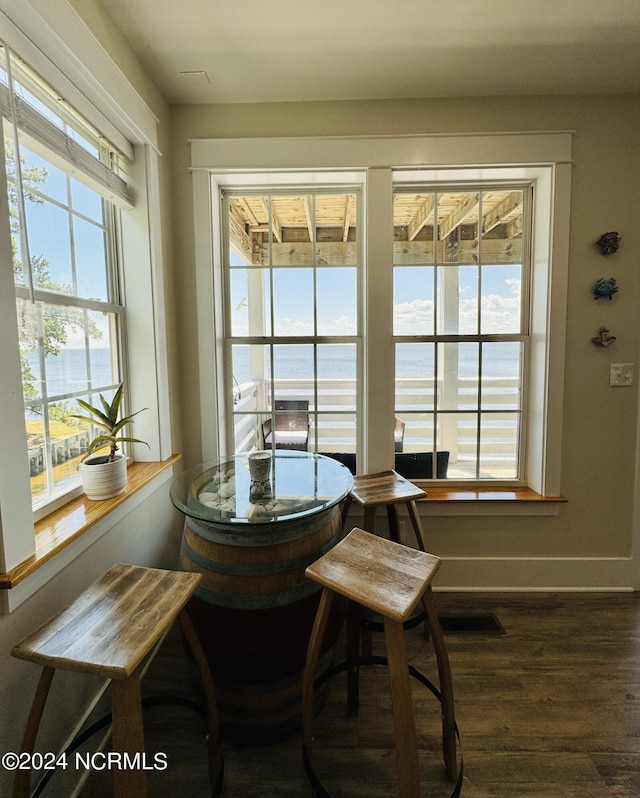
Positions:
{"x": 252, "y": 539}
{"x": 299, "y": 484}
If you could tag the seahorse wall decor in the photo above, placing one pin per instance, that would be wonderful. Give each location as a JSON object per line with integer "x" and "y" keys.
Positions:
{"x": 604, "y": 287}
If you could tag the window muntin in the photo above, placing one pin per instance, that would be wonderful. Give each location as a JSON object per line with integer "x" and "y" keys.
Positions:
{"x": 460, "y": 326}
{"x": 292, "y": 313}
{"x": 63, "y": 235}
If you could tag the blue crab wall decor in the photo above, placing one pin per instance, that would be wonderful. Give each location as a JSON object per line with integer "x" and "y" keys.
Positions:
{"x": 604, "y": 287}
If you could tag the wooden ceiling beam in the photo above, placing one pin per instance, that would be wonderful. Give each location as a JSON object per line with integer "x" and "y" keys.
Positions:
{"x": 276, "y": 227}
{"x": 420, "y": 217}
{"x": 458, "y": 215}
{"x": 250, "y": 216}
{"x": 496, "y": 215}
{"x": 349, "y": 203}
{"x": 308, "y": 215}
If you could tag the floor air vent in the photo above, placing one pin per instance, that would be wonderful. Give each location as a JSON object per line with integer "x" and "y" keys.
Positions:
{"x": 471, "y": 624}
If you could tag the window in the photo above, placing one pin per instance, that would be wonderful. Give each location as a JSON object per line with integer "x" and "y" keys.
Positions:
{"x": 64, "y": 244}
{"x": 511, "y": 436}
{"x": 292, "y": 262}
{"x": 82, "y": 117}
{"x": 460, "y": 326}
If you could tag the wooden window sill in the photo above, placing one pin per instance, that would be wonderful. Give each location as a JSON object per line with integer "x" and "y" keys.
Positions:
{"x": 59, "y": 529}
{"x": 458, "y": 500}
{"x": 443, "y": 493}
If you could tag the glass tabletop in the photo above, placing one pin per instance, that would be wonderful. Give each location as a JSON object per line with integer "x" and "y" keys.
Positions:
{"x": 296, "y": 484}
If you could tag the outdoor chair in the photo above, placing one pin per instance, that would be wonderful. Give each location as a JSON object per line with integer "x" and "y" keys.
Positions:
{"x": 291, "y": 425}
{"x": 419, "y": 465}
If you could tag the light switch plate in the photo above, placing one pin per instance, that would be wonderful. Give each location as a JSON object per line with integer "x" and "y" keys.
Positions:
{"x": 621, "y": 374}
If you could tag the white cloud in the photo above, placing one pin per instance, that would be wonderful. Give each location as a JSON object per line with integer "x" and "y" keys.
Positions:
{"x": 413, "y": 318}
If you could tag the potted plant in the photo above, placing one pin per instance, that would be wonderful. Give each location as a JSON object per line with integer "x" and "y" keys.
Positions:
{"x": 105, "y": 475}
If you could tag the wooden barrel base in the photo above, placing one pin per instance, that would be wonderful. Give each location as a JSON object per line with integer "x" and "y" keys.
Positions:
{"x": 253, "y": 613}
{"x": 257, "y": 658}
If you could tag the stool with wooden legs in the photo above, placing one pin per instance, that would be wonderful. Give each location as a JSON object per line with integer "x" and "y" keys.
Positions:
{"x": 387, "y": 489}
{"x": 390, "y": 579}
{"x": 112, "y": 630}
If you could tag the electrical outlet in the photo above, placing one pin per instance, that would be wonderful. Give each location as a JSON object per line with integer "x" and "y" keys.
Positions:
{"x": 621, "y": 374}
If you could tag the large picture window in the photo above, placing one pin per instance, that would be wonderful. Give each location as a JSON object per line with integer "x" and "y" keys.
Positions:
{"x": 64, "y": 246}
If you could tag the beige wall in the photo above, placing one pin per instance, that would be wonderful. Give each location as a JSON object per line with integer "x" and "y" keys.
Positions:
{"x": 599, "y": 422}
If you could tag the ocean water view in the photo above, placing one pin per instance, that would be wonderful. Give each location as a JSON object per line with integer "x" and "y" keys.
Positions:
{"x": 413, "y": 361}
{"x": 69, "y": 371}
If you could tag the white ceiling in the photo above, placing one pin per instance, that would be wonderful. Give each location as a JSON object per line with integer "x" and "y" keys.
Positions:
{"x": 231, "y": 51}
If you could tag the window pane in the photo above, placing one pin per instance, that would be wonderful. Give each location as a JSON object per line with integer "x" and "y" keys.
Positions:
{"x": 501, "y": 299}
{"x": 293, "y": 302}
{"x": 248, "y": 225}
{"x": 336, "y": 305}
{"x": 42, "y": 176}
{"x": 417, "y": 433}
{"x": 37, "y": 452}
{"x": 103, "y": 348}
{"x": 413, "y": 305}
{"x": 499, "y": 435}
{"x": 31, "y": 354}
{"x": 336, "y": 385}
{"x": 502, "y": 225}
{"x": 458, "y": 376}
{"x": 293, "y": 370}
{"x": 335, "y": 229}
{"x": 251, "y": 368}
{"x": 91, "y": 260}
{"x": 413, "y": 225}
{"x": 458, "y": 435}
{"x": 87, "y": 201}
{"x": 239, "y": 302}
{"x": 248, "y": 430}
{"x": 457, "y": 226}
{"x": 291, "y": 230}
{"x": 458, "y": 300}
{"x": 334, "y": 432}
{"x": 415, "y": 377}
{"x": 501, "y": 376}
{"x": 249, "y": 303}
{"x": 48, "y": 231}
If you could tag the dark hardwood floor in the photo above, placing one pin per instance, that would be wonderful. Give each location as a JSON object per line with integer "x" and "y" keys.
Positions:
{"x": 551, "y": 709}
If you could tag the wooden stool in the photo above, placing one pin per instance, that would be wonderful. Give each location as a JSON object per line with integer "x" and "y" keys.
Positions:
{"x": 110, "y": 631}
{"x": 386, "y": 489}
{"x": 390, "y": 579}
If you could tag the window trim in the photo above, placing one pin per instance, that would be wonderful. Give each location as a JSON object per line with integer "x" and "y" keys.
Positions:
{"x": 545, "y": 156}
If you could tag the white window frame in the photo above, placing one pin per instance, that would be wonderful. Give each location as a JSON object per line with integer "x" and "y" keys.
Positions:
{"x": 521, "y": 335}
{"x": 544, "y": 157}
{"x": 271, "y": 340}
{"x": 87, "y": 77}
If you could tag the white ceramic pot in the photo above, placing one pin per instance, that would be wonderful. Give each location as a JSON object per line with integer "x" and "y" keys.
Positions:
{"x": 101, "y": 479}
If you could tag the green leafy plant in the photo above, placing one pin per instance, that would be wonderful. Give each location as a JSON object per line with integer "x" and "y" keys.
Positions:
{"x": 107, "y": 419}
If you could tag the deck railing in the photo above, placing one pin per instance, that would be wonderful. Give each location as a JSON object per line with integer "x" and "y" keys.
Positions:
{"x": 332, "y": 410}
